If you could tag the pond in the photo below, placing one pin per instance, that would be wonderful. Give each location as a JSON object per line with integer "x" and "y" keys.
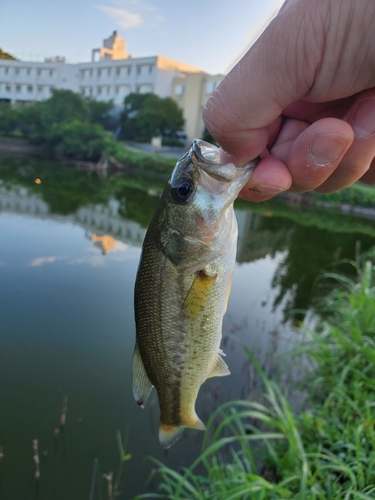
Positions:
{"x": 69, "y": 250}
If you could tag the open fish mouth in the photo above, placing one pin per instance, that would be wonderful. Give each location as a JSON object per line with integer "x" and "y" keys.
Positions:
{"x": 205, "y": 158}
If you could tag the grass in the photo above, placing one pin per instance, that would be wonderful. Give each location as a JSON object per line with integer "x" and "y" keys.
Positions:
{"x": 263, "y": 450}
{"x": 357, "y": 195}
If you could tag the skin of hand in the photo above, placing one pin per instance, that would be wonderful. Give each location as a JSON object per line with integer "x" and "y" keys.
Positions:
{"x": 303, "y": 98}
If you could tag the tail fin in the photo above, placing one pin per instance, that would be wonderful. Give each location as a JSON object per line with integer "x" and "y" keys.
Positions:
{"x": 169, "y": 434}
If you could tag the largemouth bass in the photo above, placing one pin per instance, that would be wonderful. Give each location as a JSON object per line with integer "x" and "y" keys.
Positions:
{"x": 183, "y": 284}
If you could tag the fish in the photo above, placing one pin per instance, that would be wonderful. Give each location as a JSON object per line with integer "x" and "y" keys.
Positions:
{"x": 183, "y": 285}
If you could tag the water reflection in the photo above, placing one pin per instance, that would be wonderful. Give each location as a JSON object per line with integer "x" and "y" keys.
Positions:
{"x": 67, "y": 330}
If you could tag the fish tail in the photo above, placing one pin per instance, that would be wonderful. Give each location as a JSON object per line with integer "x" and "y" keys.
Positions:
{"x": 169, "y": 434}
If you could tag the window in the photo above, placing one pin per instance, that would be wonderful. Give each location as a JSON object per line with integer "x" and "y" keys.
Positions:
{"x": 99, "y": 90}
{"x": 108, "y": 90}
{"x": 30, "y": 89}
{"x": 179, "y": 89}
{"x": 116, "y": 90}
{"x": 139, "y": 70}
{"x": 39, "y": 72}
{"x": 6, "y": 71}
{"x": 18, "y": 88}
{"x": 40, "y": 89}
{"x": 28, "y": 71}
{"x": 17, "y": 71}
{"x": 144, "y": 89}
{"x": 51, "y": 72}
{"x": 109, "y": 71}
{"x": 8, "y": 87}
{"x": 118, "y": 71}
{"x": 129, "y": 70}
{"x": 211, "y": 86}
{"x": 90, "y": 73}
{"x": 150, "y": 69}
{"x": 99, "y": 73}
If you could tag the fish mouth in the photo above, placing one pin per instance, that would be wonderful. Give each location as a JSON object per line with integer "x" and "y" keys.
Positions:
{"x": 202, "y": 164}
{"x": 207, "y": 157}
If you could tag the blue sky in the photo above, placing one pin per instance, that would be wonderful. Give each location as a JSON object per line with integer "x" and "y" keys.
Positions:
{"x": 208, "y": 34}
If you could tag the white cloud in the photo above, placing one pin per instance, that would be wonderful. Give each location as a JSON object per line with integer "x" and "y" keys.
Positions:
{"x": 43, "y": 260}
{"x": 123, "y": 17}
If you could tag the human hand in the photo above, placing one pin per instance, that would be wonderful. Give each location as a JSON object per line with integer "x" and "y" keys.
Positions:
{"x": 303, "y": 98}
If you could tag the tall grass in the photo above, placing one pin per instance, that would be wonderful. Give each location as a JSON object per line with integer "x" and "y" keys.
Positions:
{"x": 264, "y": 451}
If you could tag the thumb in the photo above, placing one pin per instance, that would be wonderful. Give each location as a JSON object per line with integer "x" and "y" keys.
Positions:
{"x": 276, "y": 71}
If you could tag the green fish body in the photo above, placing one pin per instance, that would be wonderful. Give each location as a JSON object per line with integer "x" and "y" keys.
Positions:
{"x": 183, "y": 284}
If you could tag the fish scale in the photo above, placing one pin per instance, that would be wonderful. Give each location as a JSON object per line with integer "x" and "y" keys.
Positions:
{"x": 182, "y": 287}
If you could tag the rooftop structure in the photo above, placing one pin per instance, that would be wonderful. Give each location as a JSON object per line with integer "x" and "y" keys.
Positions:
{"x": 113, "y": 48}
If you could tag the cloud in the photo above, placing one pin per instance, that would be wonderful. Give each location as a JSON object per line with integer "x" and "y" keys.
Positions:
{"x": 123, "y": 17}
{"x": 43, "y": 260}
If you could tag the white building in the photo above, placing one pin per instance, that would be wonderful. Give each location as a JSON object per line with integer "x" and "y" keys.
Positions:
{"x": 113, "y": 76}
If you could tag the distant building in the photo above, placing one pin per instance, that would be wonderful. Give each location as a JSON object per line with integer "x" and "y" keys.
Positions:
{"x": 191, "y": 92}
{"x": 113, "y": 76}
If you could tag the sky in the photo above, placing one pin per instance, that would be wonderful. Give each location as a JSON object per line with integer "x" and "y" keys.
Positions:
{"x": 208, "y": 34}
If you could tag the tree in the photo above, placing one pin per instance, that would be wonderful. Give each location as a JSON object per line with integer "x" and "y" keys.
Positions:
{"x": 80, "y": 140}
{"x": 5, "y": 55}
{"x": 100, "y": 112}
{"x": 30, "y": 121}
{"x": 8, "y": 118}
{"x": 147, "y": 115}
{"x": 63, "y": 106}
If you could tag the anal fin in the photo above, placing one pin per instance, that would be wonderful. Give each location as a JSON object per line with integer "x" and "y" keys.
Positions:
{"x": 141, "y": 383}
{"x": 169, "y": 434}
{"x": 220, "y": 368}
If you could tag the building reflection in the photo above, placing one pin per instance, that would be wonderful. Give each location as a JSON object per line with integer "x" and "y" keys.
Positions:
{"x": 105, "y": 242}
{"x": 102, "y": 223}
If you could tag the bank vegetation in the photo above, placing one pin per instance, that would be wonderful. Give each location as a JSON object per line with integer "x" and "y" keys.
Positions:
{"x": 263, "y": 450}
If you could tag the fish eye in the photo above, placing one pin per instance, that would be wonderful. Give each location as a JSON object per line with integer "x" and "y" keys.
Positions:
{"x": 182, "y": 190}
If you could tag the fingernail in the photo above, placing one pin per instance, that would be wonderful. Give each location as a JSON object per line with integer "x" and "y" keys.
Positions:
{"x": 327, "y": 148}
{"x": 268, "y": 190}
{"x": 363, "y": 122}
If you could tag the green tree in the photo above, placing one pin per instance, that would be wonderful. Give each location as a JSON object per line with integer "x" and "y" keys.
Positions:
{"x": 99, "y": 111}
{"x": 9, "y": 118}
{"x": 79, "y": 140}
{"x": 30, "y": 121}
{"x": 63, "y": 106}
{"x": 5, "y": 55}
{"x": 147, "y": 115}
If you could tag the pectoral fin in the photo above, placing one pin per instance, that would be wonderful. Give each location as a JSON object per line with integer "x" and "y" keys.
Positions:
{"x": 141, "y": 383}
{"x": 220, "y": 368}
{"x": 198, "y": 294}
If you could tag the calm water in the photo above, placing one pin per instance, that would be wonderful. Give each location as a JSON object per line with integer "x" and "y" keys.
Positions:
{"x": 69, "y": 251}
